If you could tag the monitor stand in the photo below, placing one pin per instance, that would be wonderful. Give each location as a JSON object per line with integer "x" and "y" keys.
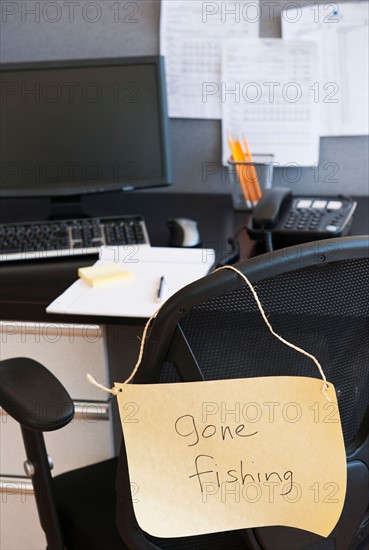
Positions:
{"x": 34, "y": 209}
{"x": 64, "y": 208}
{"x": 38, "y": 209}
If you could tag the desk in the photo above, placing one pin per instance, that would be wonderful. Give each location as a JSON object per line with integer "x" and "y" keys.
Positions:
{"x": 26, "y": 289}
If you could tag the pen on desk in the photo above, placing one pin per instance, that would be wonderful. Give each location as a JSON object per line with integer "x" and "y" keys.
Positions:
{"x": 159, "y": 292}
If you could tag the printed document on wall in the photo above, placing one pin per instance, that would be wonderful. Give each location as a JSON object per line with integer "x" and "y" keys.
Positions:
{"x": 341, "y": 33}
{"x": 191, "y": 37}
{"x": 266, "y": 98}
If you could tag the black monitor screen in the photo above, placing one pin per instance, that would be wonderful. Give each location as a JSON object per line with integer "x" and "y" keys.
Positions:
{"x": 83, "y": 126}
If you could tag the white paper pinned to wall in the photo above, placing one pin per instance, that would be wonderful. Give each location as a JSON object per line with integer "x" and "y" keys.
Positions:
{"x": 342, "y": 82}
{"x": 268, "y": 100}
{"x": 191, "y": 37}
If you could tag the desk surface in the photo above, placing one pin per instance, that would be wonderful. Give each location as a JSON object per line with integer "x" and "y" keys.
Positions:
{"x": 27, "y": 288}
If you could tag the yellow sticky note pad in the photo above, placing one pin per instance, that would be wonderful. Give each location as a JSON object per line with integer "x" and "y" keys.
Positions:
{"x": 233, "y": 454}
{"x": 102, "y": 274}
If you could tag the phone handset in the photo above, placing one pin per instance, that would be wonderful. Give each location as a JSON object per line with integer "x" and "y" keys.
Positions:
{"x": 268, "y": 211}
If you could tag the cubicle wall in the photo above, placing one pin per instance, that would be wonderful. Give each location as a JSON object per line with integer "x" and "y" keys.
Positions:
{"x": 104, "y": 28}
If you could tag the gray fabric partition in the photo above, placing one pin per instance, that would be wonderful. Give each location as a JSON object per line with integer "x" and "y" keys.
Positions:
{"x": 61, "y": 29}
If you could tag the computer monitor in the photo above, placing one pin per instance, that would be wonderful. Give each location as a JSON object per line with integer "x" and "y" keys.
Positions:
{"x": 71, "y": 128}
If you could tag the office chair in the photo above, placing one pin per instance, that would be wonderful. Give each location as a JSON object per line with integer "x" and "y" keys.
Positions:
{"x": 316, "y": 295}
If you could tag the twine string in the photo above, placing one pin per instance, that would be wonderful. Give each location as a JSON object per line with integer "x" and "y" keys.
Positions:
{"x": 115, "y": 391}
{"x": 286, "y": 342}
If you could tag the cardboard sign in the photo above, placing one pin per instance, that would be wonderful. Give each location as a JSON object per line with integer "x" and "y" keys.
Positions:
{"x": 231, "y": 454}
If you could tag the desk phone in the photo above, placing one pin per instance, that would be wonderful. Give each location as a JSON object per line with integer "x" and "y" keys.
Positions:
{"x": 297, "y": 219}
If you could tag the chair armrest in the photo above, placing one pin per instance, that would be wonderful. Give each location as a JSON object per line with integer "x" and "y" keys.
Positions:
{"x": 33, "y": 396}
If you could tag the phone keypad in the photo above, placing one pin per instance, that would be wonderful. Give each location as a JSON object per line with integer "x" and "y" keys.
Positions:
{"x": 303, "y": 220}
{"x": 316, "y": 215}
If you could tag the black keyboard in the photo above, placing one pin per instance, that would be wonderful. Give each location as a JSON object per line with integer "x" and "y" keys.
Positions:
{"x": 37, "y": 240}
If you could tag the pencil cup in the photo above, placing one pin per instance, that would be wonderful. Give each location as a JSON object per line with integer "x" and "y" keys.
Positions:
{"x": 249, "y": 180}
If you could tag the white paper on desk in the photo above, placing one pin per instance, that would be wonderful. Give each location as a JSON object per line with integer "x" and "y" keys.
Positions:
{"x": 341, "y": 33}
{"x": 137, "y": 297}
{"x": 191, "y": 36}
{"x": 269, "y": 100}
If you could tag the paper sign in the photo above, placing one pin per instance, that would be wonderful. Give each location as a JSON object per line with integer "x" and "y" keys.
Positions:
{"x": 232, "y": 454}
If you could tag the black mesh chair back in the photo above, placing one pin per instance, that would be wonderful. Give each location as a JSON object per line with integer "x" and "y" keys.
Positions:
{"x": 317, "y": 297}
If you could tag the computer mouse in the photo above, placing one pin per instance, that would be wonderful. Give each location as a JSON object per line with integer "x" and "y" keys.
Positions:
{"x": 183, "y": 232}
